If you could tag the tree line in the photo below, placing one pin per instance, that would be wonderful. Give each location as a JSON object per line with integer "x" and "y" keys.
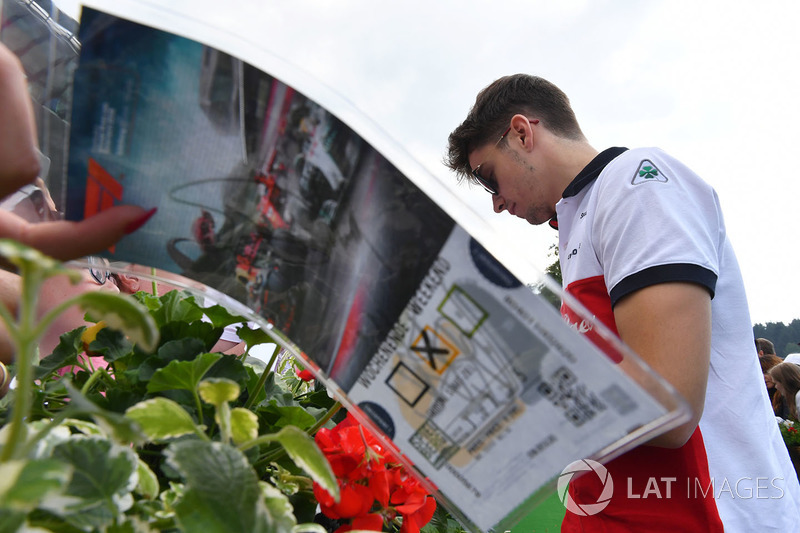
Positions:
{"x": 785, "y": 337}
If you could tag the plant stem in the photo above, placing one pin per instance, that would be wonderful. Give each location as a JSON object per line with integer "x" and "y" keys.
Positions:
{"x": 275, "y": 454}
{"x": 224, "y": 415}
{"x": 199, "y": 405}
{"x": 272, "y": 359}
{"x": 27, "y": 354}
{"x": 321, "y": 422}
{"x": 40, "y": 328}
{"x": 263, "y": 379}
{"x": 155, "y": 283}
{"x": 42, "y": 433}
{"x": 97, "y": 374}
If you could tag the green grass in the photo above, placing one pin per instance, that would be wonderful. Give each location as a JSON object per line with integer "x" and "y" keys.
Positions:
{"x": 546, "y": 518}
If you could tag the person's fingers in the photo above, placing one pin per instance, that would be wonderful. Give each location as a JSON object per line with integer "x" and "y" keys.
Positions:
{"x": 19, "y": 156}
{"x": 66, "y": 240}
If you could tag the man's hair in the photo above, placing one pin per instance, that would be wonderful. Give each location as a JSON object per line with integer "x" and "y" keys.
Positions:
{"x": 494, "y": 106}
{"x": 765, "y": 345}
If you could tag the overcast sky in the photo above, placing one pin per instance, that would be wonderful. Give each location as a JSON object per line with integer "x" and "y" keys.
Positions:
{"x": 715, "y": 83}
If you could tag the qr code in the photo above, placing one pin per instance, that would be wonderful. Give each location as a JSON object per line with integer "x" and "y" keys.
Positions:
{"x": 620, "y": 401}
{"x": 564, "y": 391}
{"x": 433, "y": 444}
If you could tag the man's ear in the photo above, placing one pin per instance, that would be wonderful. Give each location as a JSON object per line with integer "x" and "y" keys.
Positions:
{"x": 128, "y": 284}
{"x": 522, "y": 129}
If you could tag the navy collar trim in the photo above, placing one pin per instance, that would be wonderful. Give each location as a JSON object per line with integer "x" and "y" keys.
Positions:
{"x": 592, "y": 170}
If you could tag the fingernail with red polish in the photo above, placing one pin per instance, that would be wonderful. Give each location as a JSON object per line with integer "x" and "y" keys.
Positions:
{"x": 139, "y": 222}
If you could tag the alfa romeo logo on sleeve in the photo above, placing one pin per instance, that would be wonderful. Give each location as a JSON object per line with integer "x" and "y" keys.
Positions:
{"x": 648, "y": 173}
{"x": 588, "y": 466}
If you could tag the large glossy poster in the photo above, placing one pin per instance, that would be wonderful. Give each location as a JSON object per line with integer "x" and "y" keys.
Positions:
{"x": 270, "y": 199}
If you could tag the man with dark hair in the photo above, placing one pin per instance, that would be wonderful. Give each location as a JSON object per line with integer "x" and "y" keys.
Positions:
{"x": 764, "y": 347}
{"x": 643, "y": 246}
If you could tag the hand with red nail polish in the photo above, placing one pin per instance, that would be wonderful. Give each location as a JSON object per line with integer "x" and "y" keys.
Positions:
{"x": 19, "y": 166}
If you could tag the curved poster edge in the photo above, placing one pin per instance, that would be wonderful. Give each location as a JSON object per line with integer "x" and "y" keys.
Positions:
{"x": 271, "y": 199}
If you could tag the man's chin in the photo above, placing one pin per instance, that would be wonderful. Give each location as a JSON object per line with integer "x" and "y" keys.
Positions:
{"x": 533, "y": 221}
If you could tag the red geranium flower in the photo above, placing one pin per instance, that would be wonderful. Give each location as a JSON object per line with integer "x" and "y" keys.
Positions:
{"x": 354, "y": 500}
{"x": 414, "y": 521}
{"x": 304, "y": 374}
{"x": 374, "y": 486}
{"x": 368, "y": 522}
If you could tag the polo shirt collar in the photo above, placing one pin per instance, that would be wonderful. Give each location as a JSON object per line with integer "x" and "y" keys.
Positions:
{"x": 588, "y": 175}
{"x": 592, "y": 170}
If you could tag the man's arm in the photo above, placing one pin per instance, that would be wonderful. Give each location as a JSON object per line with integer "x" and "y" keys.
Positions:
{"x": 18, "y": 150}
{"x": 669, "y": 326}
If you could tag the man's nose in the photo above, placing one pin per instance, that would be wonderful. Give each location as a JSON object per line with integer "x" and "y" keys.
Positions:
{"x": 498, "y": 203}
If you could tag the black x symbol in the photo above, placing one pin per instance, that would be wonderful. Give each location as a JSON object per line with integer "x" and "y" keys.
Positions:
{"x": 430, "y": 350}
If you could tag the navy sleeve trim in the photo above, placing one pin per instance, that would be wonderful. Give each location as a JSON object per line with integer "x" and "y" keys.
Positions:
{"x": 663, "y": 274}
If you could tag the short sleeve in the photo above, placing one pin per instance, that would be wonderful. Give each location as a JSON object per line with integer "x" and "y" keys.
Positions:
{"x": 656, "y": 221}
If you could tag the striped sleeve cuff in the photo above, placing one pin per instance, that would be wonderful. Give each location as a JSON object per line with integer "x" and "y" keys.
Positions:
{"x": 686, "y": 272}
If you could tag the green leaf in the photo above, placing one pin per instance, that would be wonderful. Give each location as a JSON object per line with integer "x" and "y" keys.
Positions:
{"x": 123, "y": 313}
{"x": 220, "y": 317}
{"x": 83, "y": 426}
{"x": 244, "y": 425}
{"x": 257, "y": 393}
{"x": 306, "y": 454}
{"x": 184, "y": 375}
{"x": 173, "y": 350}
{"x": 290, "y": 415}
{"x": 132, "y": 524}
{"x": 101, "y": 469}
{"x": 111, "y": 344}
{"x": 280, "y": 508}
{"x": 104, "y": 474}
{"x": 316, "y": 528}
{"x": 11, "y": 521}
{"x": 284, "y": 480}
{"x": 320, "y": 399}
{"x": 65, "y": 354}
{"x": 230, "y": 367}
{"x": 202, "y": 331}
{"x": 24, "y": 484}
{"x": 217, "y": 391}
{"x": 110, "y": 422}
{"x": 150, "y": 301}
{"x": 278, "y": 391}
{"x": 253, "y": 336}
{"x": 177, "y": 306}
{"x": 221, "y": 493}
{"x": 26, "y": 258}
{"x": 184, "y": 349}
{"x": 148, "y": 481}
{"x": 162, "y": 419}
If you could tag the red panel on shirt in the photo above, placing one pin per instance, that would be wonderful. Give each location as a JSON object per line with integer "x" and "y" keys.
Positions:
{"x": 655, "y": 489}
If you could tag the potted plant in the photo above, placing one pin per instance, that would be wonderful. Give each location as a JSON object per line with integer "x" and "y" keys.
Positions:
{"x": 791, "y": 437}
{"x": 168, "y": 435}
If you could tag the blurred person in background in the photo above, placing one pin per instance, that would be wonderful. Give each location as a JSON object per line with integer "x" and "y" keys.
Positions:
{"x": 779, "y": 405}
{"x": 786, "y": 377}
{"x": 764, "y": 347}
